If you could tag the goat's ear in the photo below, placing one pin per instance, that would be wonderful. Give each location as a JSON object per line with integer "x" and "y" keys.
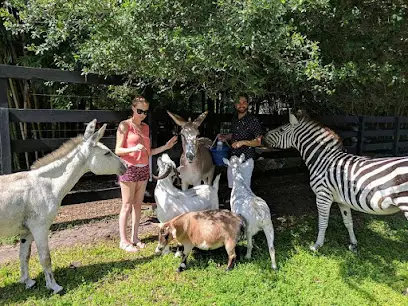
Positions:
{"x": 97, "y": 135}
{"x": 226, "y": 161}
{"x": 200, "y": 119}
{"x": 159, "y": 225}
{"x": 90, "y": 129}
{"x": 177, "y": 119}
{"x": 242, "y": 158}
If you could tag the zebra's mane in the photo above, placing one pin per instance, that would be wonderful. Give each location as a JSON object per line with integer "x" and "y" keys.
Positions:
{"x": 59, "y": 153}
{"x": 336, "y": 143}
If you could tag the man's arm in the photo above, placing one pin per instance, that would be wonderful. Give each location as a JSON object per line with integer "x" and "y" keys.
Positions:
{"x": 249, "y": 143}
{"x": 256, "y": 131}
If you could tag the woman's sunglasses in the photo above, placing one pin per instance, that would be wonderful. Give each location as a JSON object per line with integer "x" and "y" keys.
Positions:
{"x": 141, "y": 111}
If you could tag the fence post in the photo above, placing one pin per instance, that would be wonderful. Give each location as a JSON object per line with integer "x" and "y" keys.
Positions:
{"x": 360, "y": 143}
{"x": 5, "y": 148}
{"x": 396, "y": 135}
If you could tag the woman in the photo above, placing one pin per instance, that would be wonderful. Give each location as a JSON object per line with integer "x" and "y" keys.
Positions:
{"x": 133, "y": 146}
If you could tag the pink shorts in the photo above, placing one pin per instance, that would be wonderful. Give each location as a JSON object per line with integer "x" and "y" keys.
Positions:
{"x": 135, "y": 174}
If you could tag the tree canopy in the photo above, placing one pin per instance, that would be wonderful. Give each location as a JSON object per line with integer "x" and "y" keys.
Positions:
{"x": 327, "y": 56}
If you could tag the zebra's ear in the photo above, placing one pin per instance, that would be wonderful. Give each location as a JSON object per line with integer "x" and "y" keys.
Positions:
{"x": 292, "y": 119}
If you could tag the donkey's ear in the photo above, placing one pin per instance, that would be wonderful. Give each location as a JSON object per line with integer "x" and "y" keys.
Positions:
{"x": 90, "y": 129}
{"x": 242, "y": 158}
{"x": 177, "y": 119}
{"x": 200, "y": 119}
{"x": 98, "y": 135}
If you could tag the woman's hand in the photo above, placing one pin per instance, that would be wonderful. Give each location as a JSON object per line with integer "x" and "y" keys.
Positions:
{"x": 138, "y": 147}
{"x": 171, "y": 142}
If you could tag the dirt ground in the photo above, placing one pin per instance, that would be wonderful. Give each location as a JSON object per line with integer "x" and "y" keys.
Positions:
{"x": 286, "y": 194}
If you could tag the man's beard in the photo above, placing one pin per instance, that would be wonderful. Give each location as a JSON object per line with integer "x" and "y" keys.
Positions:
{"x": 242, "y": 110}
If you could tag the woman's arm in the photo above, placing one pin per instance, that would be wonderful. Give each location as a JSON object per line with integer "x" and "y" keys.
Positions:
{"x": 169, "y": 144}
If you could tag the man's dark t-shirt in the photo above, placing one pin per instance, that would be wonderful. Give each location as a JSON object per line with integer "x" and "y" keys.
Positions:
{"x": 246, "y": 128}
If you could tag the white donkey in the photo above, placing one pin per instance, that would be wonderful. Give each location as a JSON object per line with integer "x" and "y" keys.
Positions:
{"x": 29, "y": 201}
{"x": 196, "y": 163}
{"x": 254, "y": 209}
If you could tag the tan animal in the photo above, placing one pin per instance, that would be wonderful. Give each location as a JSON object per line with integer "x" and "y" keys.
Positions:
{"x": 196, "y": 163}
{"x": 205, "y": 230}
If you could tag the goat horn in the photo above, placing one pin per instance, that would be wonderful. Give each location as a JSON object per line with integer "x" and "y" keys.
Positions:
{"x": 164, "y": 175}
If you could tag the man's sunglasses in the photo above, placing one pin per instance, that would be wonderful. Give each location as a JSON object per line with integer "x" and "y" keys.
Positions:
{"x": 141, "y": 111}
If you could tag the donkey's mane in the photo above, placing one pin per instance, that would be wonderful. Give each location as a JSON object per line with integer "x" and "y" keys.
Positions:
{"x": 59, "y": 153}
{"x": 337, "y": 141}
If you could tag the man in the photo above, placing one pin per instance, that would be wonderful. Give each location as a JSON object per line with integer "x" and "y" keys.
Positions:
{"x": 246, "y": 134}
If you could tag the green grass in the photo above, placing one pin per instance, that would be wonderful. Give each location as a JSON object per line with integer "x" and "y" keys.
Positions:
{"x": 376, "y": 275}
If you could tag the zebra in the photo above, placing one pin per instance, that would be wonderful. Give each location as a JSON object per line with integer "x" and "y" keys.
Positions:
{"x": 376, "y": 186}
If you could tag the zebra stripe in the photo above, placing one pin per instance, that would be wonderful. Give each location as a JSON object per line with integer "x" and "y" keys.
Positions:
{"x": 374, "y": 186}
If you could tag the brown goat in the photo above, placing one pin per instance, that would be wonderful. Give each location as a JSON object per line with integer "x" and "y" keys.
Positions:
{"x": 205, "y": 230}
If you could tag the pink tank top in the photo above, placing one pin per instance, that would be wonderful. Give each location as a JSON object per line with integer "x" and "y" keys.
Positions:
{"x": 134, "y": 137}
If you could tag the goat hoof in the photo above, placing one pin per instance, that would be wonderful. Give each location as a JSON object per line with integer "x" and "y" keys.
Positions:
{"x": 57, "y": 289}
{"x": 61, "y": 293}
{"x": 314, "y": 248}
{"x": 353, "y": 248}
{"x": 29, "y": 283}
{"x": 274, "y": 267}
{"x": 181, "y": 268}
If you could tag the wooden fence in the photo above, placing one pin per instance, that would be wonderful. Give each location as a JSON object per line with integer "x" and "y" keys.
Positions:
{"x": 362, "y": 135}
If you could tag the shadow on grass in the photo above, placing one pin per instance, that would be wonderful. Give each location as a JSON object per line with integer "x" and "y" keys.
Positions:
{"x": 378, "y": 260}
{"x": 70, "y": 278}
{"x": 380, "y": 251}
{"x": 379, "y": 256}
{"x": 69, "y": 224}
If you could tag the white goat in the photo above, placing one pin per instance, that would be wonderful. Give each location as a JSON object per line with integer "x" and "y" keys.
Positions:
{"x": 172, "y": 202}
{"x": 254, "y": 209}
{"x": 29, "y": 201}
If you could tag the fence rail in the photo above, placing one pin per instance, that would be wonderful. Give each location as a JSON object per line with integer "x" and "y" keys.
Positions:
{"x": 362, "y": 135}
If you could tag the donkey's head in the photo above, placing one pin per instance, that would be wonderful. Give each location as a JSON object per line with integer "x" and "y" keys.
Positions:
{"x": 100, "y": 159}
{"x": 283, "y": 136}
{"x": 189, "y": 133}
